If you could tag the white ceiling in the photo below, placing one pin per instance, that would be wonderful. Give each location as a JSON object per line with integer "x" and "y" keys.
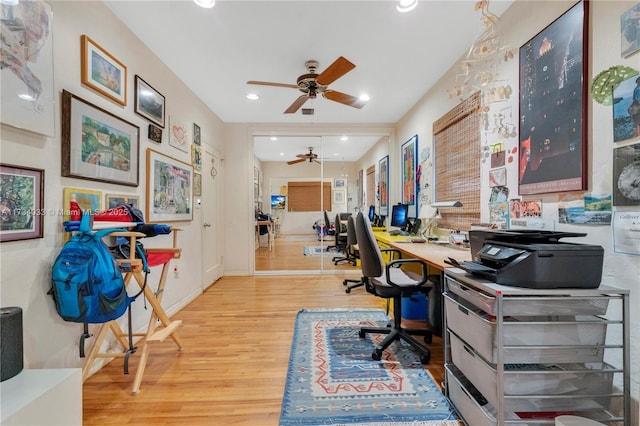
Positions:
{"x": 398, "y": 56}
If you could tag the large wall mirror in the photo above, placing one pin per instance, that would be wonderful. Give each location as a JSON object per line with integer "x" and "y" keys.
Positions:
{"x": 299, "y": 178}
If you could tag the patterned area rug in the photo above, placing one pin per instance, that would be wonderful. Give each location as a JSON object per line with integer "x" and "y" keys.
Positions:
{"x": 332, "y": 379}
{"x": 316, "y": 251}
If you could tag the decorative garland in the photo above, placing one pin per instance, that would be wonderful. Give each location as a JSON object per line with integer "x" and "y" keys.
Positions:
{"x": 604, "y": 83}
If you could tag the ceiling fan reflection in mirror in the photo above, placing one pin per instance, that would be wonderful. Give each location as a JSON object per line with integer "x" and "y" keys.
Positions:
{"x": 310, "y": 156}
{"x": 311, "y": 84}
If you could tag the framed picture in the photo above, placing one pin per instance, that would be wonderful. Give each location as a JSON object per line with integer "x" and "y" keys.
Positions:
{"x": 178, "y": 134}
{"x": 339, "y": 183}
{"x": 409, "y": 153}
{"x": 498, "y": 177}
{"x": 196, "y": 134}
{"x": 197, "y": 184}
{"x": 149, "y": 103}
{"x": 102, "y": 71}
{"x": 26, "y": 76}
{"x": 626, "y": 110}
{"x": 626, "y": 175}
{"x": 339, "y": 196}
{"x": 169, "y": 189}
{"x": 88, "y": 200}
{"x": 97, "y": 145}
{"x": 553, "y": 106}
{"x": 21, "y": 203}
{"x": 155, "y": 133}
{"x": 383, "y": 186}
{"x": 114, "y": 200}
{"x": 630, "y": 31}
{"x": 196, "y": 157}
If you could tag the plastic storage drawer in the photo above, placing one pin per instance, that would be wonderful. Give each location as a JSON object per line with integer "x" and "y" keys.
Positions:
{"x": 556, "y": 305}
{"x": 533, "y": 380}
{"x": 525, "y": 340}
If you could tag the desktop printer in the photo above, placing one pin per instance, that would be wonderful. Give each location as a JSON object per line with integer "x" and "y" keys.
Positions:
{"x": 534, "y": 259}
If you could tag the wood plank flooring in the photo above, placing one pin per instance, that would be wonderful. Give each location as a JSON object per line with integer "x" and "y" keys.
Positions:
{"x": 237, "y": 337}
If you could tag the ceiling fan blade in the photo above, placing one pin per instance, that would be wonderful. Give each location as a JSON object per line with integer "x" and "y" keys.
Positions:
{"x": 337, "y": 69}
{"x": 296, "y": 161}
{"x": 301, "y": 155}
{"x": 268, "y": 83}
{"x": 297, "y": 104}
{"x": 316, "y": 161}
{"x": 343, "y": 98}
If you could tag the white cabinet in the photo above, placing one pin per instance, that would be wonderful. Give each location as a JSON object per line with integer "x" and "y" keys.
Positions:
{"x": 524, "y": 356}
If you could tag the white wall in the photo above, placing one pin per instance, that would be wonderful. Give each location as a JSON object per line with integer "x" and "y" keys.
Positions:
{"x": 25, "y": 265}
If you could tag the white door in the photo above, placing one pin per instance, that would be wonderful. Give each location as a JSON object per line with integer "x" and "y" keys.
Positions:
{"x": 211, "y": 213}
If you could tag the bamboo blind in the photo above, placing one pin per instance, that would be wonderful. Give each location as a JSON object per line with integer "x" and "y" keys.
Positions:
{"x": 306, "y": 196}
{"x": 457, "y": 163}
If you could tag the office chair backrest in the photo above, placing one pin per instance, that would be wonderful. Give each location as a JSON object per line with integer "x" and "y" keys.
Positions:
{"x": 352, "y": 239}
{"x": 327, "y": 223}
{"x": 371, "y": 261}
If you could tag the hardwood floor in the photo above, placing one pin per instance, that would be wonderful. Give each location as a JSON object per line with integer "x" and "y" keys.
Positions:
{"x": 237, "y": 337}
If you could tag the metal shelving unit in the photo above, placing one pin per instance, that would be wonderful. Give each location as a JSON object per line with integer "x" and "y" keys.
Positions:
{"x": 522, "y": 356}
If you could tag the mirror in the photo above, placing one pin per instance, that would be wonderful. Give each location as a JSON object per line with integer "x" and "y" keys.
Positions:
{"x": 285, "y": 163}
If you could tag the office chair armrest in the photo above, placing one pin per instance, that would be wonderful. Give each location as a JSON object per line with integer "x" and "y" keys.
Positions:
{"x": 400, "y": 262}
{"x": 392, "y": 250}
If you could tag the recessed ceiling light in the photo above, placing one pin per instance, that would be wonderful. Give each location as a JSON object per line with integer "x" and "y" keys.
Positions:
{"x": 406, "y": 5}
{"x": 282, "y": 154}
{"x": 336, "y": 154}
{"x": 364, "y": 97}
{"x": 253, "y": 97}
{"x": 344, "y": 138}
{"x": 207, "y": 4}
{"x": 273, "y": 138}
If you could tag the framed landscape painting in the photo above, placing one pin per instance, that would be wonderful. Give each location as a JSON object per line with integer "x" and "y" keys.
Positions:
{"x": 21, "y": 203}
{"x": 149, "y": 103}
{"x": 169, "y": 189}
{"x": 97, "y": 145}
{"x": 102, "y": 72}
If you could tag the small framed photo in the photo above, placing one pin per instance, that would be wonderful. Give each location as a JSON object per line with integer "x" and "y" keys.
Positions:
{"x": 178, "y": 134}
{"x": 197, "y": 184}
{"x": 498, "y": 177}
{"x": 102, "y": 71}
{"x": 22, "y": 203}
{"x": 97, "y": 145}
{"x": 339, "y": 196}
{"x": 196, "y": 134}
{"x": 88, "y": 200}
{"x": 155, "y": 133}
{"x": 339, "y": 183}
{"x": 114, "y": 200}
{"x": 196, "y": 157}
{"x": 169, "y": 189}
{"x": 149, "y": 103}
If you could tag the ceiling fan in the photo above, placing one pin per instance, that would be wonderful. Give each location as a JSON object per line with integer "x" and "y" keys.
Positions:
{"x": 311, "y": 84}
{"x": 311, "y": 156}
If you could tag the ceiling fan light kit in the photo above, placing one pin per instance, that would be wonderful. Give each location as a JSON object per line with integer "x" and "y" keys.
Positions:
{"x": 207, "y": 4}
{"x": 406, "y": 5}
{"x": 311, "y": 83}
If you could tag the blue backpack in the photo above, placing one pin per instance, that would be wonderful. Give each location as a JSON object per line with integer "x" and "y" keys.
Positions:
{"x": 87, "y": 284}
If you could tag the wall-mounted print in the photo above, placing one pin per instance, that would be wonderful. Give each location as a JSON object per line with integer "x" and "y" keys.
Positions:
{"x": 88, "y": 200}
{"x": 339, "y": 183}
{"x": 626, "y": 109}
{"x": 149, "y": 103}
{"x": 383, "y": 186}
{"x": 630, "y": 31}
{"x": 26, "y": 76}
{"x": 96, "y": 144}
{"x": 196, "y": 157}
{"x": 21, "y": 202}
{"x": 169, "y": 189}
{"x": 553, "y": 106}
{"x": 197, "y": 184}
{"x": 196, "y": 134}
{"x": 626, "y": 175}
{"x": 155, "y": 133}
{"x": 409, "y": 153}
{"x": 339, "y": 196}
{"x": 178, "y": 134}
{"x": 101, "y": 71}
{"x": 114, "y": 200}
{"x": 498, "y": 177}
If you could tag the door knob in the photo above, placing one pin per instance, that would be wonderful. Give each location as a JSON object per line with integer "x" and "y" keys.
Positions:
{"x": 206, "y": 225}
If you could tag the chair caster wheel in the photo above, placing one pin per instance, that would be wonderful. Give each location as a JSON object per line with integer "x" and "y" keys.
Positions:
{"x": 425, "y": 359}
{"x": 348, "y": 290}
{"x": 428, "y": 339}
{"x": 362, "y": 334}
{"x": 377, "y": 356}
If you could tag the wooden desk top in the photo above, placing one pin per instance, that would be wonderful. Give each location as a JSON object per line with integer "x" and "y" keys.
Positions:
{"x": 433, "y": 254}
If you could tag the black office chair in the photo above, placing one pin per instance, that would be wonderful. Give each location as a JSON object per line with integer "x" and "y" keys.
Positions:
{"x": 328, "y": 230}
{"x": 352, "y": 253}
{"x": 341, "y": 241}
{"x": 391, "y": 282}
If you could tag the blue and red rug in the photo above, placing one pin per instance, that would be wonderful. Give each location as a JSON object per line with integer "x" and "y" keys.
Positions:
{"x": 332, "y": 379}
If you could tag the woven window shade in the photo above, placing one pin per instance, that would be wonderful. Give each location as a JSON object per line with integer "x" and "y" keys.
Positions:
{"x": 306, "y": 196}
{"x": 457, "y": 163}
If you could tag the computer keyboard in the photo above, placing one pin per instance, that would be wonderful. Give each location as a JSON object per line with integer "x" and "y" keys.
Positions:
{"x": 397, "y": 232}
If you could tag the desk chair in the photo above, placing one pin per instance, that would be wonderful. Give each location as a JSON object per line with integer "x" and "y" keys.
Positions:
{"x": 353, "y": 253}
{"x": 390, "y": 282}
{"x": 329, "y": 231}
{"x": 341, "y": 241}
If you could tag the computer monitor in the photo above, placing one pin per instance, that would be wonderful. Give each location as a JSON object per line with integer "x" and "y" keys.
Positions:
{"x": 372, "y": 213}
{"x": 399, "y": 215}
